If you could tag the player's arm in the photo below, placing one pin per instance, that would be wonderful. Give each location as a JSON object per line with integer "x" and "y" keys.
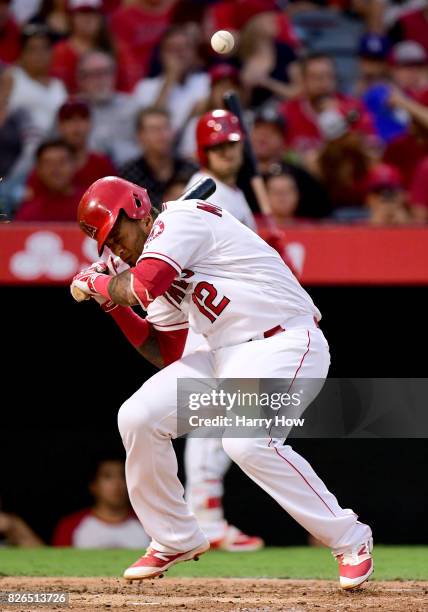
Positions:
{"x": 149, "y": 279}
{"x": 159, "y": 347}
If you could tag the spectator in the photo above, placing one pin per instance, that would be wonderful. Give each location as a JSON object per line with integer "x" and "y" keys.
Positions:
{"x": 9, "y": 34}
{"x": 220, "y": 153}
{"x": 88, "y": 32}
{"x": 344, "y": 163}
{"x": 139, "y": 27}
{"x": 158, "y": 165}
{"x": 54, "y": 196}
{"x": 109, "y": 522}
{"x": 385, "y": 197}
{"x": 32, "y": 87}
{"x": 265, "y": 63}
{"x": 412, "y": 26}
{"x": 283, "y": 195}
{"x": 372, "y": 62}
{"x": 267, "y": 135}
{"x": 409, "y": 67}
{"x": 179, "y": 87}
{"x": 16, "y": 531}
{"x": 53, "y": 14}
{"x": 174, "y": 189}
{"x": 74, "y": 124}
{"x": 223, "y": 77}
{"x": 113, "y": 113}
{"x": 408, "y": 149}
{"x": 15, "y": 147}
{"x": 318, "y": 92}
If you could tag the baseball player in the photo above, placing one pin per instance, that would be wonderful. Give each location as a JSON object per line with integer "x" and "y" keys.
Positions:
{"x": 220, "y": 154}
{"x": 218, "y": 277}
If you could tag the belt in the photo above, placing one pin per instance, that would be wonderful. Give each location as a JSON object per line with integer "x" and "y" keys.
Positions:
{"x": 299, "y": 321}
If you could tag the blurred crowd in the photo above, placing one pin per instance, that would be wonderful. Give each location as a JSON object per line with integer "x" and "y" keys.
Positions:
{"x": 335, "y": 93}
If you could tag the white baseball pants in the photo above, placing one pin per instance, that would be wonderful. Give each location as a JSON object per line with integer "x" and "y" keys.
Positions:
{"x": 148, "y": 420}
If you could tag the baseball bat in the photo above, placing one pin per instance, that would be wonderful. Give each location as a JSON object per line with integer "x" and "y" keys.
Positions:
{"x": 233, "y": 104}
{"x": 201, "y": 190}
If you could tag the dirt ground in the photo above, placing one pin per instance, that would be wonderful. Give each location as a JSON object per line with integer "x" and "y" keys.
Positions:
{"x": 240, "y": 595}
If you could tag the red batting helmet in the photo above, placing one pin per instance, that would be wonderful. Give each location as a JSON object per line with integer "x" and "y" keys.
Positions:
{"x": 101, "y": 204}
{"x": 215, "y": 128}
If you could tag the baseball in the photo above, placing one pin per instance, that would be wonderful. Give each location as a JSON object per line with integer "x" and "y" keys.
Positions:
{"x": 222, "y": 41}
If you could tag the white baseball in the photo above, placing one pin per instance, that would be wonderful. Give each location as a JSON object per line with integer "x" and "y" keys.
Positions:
{"x": 222, "y": 41}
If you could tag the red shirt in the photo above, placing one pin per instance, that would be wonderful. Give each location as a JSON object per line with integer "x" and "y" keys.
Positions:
{"x": 234, "y": 14}
{"x": 419, "y": 185}
{"x": 97, "y": 165}
{"x": 139, "y": 31}
{"x": 405, "y": 152}
{"x": 65, "y": 60}
{"x": 415, "y": 27}
{"x": 46, "y": 205}
{"x": 9, "y": 42}
{"x": 302, "y": 132}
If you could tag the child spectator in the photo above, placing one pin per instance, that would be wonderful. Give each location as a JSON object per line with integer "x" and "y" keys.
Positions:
{"x": 53, "y": 197}
{"x": 109, "y": 522}
{"x": 283, "y": 195}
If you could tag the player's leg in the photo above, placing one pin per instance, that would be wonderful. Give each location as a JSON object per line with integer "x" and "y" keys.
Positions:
{"x": 294, "y": 355}
{"x": 147, "y": 423}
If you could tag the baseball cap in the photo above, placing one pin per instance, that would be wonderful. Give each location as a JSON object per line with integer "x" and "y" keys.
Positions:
{"x": 383, "y": 176}
{"x": 408, "y": 53}
{"x": 223, "y": 71}
{"x": 73, "y": 107}
{"x": 85, "y": 5}
{"x": 374, "y": 46}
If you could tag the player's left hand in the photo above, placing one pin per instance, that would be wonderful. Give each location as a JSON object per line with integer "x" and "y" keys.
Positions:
{"x": 85, "y": 280}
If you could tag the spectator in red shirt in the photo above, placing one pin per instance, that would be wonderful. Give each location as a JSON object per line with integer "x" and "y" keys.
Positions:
{"x": 9, "y": 35}
{"x": 139, "y": 27}
{"x": 74, "y": 126}
{"x": 110, "y": 522}
{"x": 88, "y": 32}
{"x": 54, "y": 196}
{"x": 318, "y": 93}
{"x": 407, "y": 150}
{"x": 385, "y": 198}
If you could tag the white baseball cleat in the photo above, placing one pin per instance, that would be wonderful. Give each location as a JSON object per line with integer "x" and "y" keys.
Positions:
{"x": 155, "y": 563}
{"x": 356, "y": 566}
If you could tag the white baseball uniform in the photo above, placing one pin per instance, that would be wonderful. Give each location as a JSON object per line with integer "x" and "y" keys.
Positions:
{"x": 205, "y": 461}
{"x": 233, "y": 288}
{"x": 229, "y": 198}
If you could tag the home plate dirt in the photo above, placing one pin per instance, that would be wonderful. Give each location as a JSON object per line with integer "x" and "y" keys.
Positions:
{"x": 238, "y": 594}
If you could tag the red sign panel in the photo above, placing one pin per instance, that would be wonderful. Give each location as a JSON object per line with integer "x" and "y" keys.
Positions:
{"x": 321, "y": 255}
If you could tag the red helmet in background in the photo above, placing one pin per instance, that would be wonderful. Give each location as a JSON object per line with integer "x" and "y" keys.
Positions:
{"x": 101, "y": 204}
{"x": 215, "y": 128}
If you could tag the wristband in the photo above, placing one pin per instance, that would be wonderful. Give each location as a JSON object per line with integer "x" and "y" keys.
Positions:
{"x": 101, "y": 284}
{"x": 135, "y": 328}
